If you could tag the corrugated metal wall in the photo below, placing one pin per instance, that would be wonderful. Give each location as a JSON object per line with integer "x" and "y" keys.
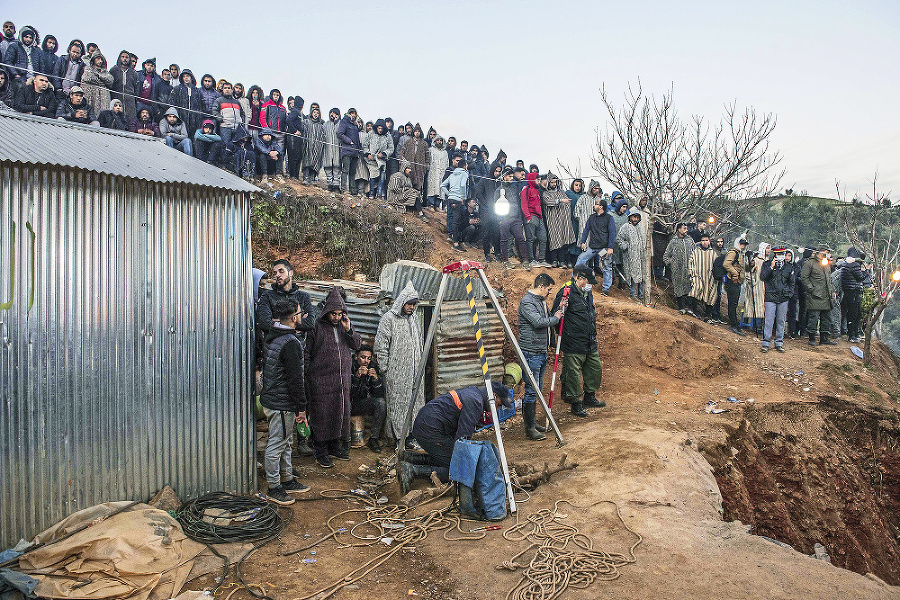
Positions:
{"x": 457, "y": 364}
{"x": 125, "y": 336}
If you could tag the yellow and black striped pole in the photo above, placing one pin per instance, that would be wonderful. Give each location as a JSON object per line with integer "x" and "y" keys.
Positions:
{"x": 476, "y": 325}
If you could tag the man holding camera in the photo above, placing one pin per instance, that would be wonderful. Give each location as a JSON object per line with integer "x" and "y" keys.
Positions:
{"x": 820, "y": 295}
{"x": 777, "y": 274}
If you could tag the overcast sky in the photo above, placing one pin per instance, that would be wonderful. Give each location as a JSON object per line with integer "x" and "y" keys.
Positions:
{"x": 525, "y": 75}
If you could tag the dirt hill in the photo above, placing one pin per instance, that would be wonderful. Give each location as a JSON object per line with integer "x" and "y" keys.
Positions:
{"x": 729, "y": 505}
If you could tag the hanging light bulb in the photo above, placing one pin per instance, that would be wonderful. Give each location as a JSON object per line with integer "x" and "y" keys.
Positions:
{"x": 501, "y": 207}
{"x": 896, "y": 276}
{"x": 711, "y": 220}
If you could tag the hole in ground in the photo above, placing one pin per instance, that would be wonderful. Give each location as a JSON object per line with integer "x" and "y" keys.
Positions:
{"x": 826, "y": 473}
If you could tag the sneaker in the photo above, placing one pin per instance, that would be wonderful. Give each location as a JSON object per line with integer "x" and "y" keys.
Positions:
{"x": 780, "y": 349}
{"x": 682, "y": 311}
{"x": 279, "y": 179}
{"x": 459, "y": 248}
{"x": 325, "y": 462}
{"x": 526, "y": 265}
{"x": 510, "y": 265}
{"x": 764, "y": 349}
{"x": 294, "y": 487}
{"x": 340, "y": 454}
{"x": 303, "y": 449}
{"x": 278, "y": 496}
{"x": 414, "y": 446}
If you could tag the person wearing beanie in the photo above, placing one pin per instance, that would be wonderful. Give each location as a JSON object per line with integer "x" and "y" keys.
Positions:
{"x": 582, "y": 371}
{"x": 114, "y": 117}
{"x": 820, "y": 295}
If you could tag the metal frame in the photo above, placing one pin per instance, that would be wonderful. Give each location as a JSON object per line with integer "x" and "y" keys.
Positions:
{"x": 467, "y": 267}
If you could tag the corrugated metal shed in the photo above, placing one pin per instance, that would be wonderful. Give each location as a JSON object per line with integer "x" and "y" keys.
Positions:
{"x": 426, "y": 280}
{"x": 41, "y": 141}
{"x": 126, "y": 329}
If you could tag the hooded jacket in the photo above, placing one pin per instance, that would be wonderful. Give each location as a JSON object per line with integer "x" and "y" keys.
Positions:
{"x": 60, "y": 71}
{"x": 199, "y": 136}
{"x": 456, "y": 186}
{"x": 531, "y": 198}
{"x": 348, "y": 134}
{"x": 380, "y": 146}
{"x": 398, "y": 347}
{"x": 853, "y": 275}
{"x": 97, "y": 82}
{"x": 293, "y": 127}
{"x": 178, "y": 131}
{"x": 7, "y": 96}
{"x": 584, "y": 208}
{"x": 264, "y": 147}
{"x": 328, "y": 357}
{"x": 110, "y": 119}
{"x": 137, "y": 123}
{"x": 485, "y": 190}
{"x": 208, "y": 95}
{"x": 273, "y": 114}
{"x": 25, "y": 61}
{"x": 66, "y": 110}
{"x": 28, "y": 101}
{"x": 416, "y": 152}
{"x": 255, "y": 109}
{"x": 50, "y": 57}
{"x": 283, "y": 371}
{"x": 186, "y": 97}
{"x": 438, "y": 163}
{"x": 313, "y": 140}
{"x": 779, "y": 281}
{"x": 820, "y": 289}
{"x": 124, "y": 88}
{"x": 579, "y": 334}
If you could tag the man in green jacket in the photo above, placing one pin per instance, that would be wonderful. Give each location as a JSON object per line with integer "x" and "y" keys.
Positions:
{"x": 820, "y": 294}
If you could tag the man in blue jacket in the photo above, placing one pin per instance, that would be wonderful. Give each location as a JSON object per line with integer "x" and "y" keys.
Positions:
{"x": 348, "y": 134}
{"x": 442, "y": 421}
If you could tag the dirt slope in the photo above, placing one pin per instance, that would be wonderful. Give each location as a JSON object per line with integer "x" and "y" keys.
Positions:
{"x": 814, "y": 458}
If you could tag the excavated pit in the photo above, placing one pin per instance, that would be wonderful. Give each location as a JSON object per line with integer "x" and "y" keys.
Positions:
{"x": 826, "y": 472}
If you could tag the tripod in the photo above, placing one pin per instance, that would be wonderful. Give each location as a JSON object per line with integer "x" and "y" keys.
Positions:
{"x": 466, "y": 267}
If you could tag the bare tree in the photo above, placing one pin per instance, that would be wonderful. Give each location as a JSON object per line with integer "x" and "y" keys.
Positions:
{"x": 683, "y": 167}
{"x": 873, "y": 227}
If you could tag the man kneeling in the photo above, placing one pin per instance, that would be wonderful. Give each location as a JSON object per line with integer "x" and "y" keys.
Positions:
{"x": 447, "y": 418}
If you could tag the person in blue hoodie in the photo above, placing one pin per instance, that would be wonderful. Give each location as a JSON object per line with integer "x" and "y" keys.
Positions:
{"x": 456, "y": 189}
{"x": 348, "y": 134}
{"x": 269, "y": 156}
{"x": 208, "y": 144}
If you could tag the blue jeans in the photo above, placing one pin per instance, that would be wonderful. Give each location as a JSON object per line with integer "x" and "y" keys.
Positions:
{"x": 637, "y": 290}
{"x": 605, "y": 264}
{"x": 537, "y": 363}
{"x": 776, "y": 315}
{"x": 184, "y": 145}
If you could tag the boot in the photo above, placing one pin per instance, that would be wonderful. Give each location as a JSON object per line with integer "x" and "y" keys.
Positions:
{"x": 408, "y": 472}
{"x": 577, "y": 409}
{"x": 825, "y": 340}
{"x": 416, "y": 458}
{"x": 528, "y": 413}
{"x": 812, "y": 340}
{"x": 590, "y": 401}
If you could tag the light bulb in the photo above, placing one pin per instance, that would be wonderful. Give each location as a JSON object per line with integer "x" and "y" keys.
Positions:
{"x": 896, "y": 276}
{"x": 501, "y": 207}
{"x": 711, "y": 220}
{"x": 824, "y": 262}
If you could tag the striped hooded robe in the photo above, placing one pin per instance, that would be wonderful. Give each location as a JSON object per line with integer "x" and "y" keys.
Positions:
{"x": 558, "y": 215}
{"x": 676, "y": 257}
{"x": 700, "y": 265}
{"x": 755, "y": 302}
{"x": 313, "y": 130}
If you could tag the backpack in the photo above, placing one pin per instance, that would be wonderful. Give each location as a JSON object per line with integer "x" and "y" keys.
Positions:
{"x": 475, "y": 466}
{"x": 719, "y": 272}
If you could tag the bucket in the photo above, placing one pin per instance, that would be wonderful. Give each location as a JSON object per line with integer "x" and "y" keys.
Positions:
{"x": 357, "y": 431}
{"x": 512, "y": 375}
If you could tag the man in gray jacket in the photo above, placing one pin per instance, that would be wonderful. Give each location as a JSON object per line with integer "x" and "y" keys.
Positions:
{"x": 535, "y": 322}
{"x": 175, "y": 133}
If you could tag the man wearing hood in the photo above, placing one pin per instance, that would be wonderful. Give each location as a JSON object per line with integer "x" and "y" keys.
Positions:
{"x": 7, "y": 98}
{"x": 97, "y": 81}
{"x": 398, "y": 347}
{"x": 631, "y": 241}
{"x": 230, "y": 114}
{"x": 677, "y": 256}
{"x": 329, "y": 361}
{"x": 415, "y": 150}
{"x": 269, "y": 156}
{"x": 348, "y": 134}
{"x": 619, "y": 214}
{"x": 379, "y": 148}
{"x": 332, "y": 160}
{"x": 273, "y": 115}
{"x": 208, "y": 92}
{"x": 114, "y": 118}
{"x": 703, "y": 284}
{"x": 558, "y": 219}
{"x": 69, "y": 69}
{"x": 798, "y": 327}
{"x": 456, "y": 189}
{"x": 755, "y": 292}
{"x": 400, "y": 191}
{"x": 125, "y": 86}
{"x": 293, "y": 139}
{"x": 174, "y": 132}
{"x": 511, "y": 223}
{"x": 449, "y": 417}
{"x": 186, "y": 97}
{"x": 36, "y": 98}
{"x": 144, "y": 124}
{"x": 820, "y": 295}
{"x": 76, "y": 109}
{"x": 24, "y": 56}
{"x": 438, "y": 163}
{"x": 584, "y": 208}
{"x": 485, "y": 189}
{"x": 852, "y": 280}
{"x": 536, "y": 231}
{"x": 49, "y": 46}
{"x": 208, "y": 144}
{"x": 313, "y": 144}
{"x": 574, "y": 193}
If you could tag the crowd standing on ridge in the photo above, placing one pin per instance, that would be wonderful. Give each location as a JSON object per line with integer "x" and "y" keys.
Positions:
{"x": 315, "y": 370}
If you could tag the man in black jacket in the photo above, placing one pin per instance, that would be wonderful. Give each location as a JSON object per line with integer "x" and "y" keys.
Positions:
{"x": 283, "y": 399}
{"x": 852, "y": 280}
{"x": 445, "y": 419}
{"x": 367, "y": 394}
{"x": 779, "y": 277}
{"x": 36, "y": 98}
{"x": 581, "y": 361}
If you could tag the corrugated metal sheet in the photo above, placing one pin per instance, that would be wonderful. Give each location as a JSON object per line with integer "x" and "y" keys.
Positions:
{"x": 40, "y": 141}
{"x": 457, "y": 364}
{"x": 426, "y": 280}
{"x": 125, "y": 338}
